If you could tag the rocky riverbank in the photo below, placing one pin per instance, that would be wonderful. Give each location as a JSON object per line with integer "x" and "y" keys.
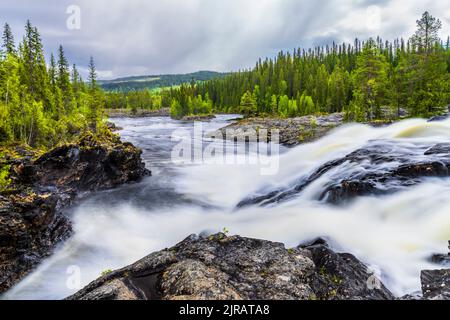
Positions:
{"x": 32, "y": 219}
{"x": 221, "y": 267}
{"x": 205, "y": 117}
{"x": 295, "y": 131}
{"x": 292, "y": 131}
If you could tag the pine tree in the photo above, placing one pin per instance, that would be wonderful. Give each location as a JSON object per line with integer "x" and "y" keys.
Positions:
{"x": 338, "y": 87}
{"x": 96, "y": 103}
{"x": 12, "y": 122}
{"x": 370, "y": 80}
{"x": 63, "y": 82}
{"x": 426, "y": 35}
{"x": 37, "y": 105}
{"x": 52, "y": 71}
{"x": 8, "y": 40}
{"x": 427, "y": 70}
{"x": 92, "y": 74}
{"x": 248, "y": 105}
{"x": 63, "y": 78}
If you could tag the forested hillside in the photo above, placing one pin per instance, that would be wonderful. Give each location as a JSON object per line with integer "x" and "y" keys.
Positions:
{"x": 368, "y": 80}
{"x": 42, "y": 105}
{"x": 157, "y": 81}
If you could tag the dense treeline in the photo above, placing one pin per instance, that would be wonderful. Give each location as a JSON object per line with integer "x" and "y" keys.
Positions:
{"x": 137, "y": 100}
{"x": 165, "y": 98}
{"x": 367, "y": 80}
{"x": 42, "y": 105}
{"x": 157, "y": 81}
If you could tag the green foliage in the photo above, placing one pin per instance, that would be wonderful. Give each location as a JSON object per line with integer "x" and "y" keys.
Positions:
{"x": 106, "y": 272}
{"x": 156, "y": 82}
{"x": 42, "y": 107}
{"x": 4, "y": 174}
{"x": 367, "y": 80}
{"x": 248, "y": 105}
{"x": 370, "y": 80}
{"x": 176, "y": 111}
{"x": 137, "y": 100}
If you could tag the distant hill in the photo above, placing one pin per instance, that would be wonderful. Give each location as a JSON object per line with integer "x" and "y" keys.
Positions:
{"x": 157, "y": 81}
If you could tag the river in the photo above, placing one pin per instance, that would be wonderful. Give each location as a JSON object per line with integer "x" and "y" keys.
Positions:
{"x": 395, "y": 234}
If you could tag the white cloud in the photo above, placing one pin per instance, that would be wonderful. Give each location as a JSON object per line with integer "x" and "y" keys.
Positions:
{"x": 153, "y": 36}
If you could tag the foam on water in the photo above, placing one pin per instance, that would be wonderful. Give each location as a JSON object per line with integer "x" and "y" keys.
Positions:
{"x": 395, "y": 234}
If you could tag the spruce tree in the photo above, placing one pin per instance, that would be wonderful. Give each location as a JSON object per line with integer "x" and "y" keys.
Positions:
{"x": 370, "y": 80}
{"x": 427, "y": 70}
{"x": 8, "y": 40}
{"x": 92, "y": 73}
{"x": 63, "y": 82}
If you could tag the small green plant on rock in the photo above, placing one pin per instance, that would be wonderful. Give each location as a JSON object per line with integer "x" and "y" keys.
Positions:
{"x": 312, "y": 297}
{"x": 106, "y": 272}
{"x": 4, "y": 175}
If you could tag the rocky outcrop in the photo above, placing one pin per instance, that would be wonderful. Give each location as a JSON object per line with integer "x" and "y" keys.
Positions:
{"x": 436, "y": 284}
{"x": 292, "y": 131}
{"x": 341, "y": 276}
{"x": 32, "y": 220}
{"x": 206, "y": 117}
{"x": 441, "y": 117}
{"x": 221, "y": 267}
{"x": 376, "y": 169}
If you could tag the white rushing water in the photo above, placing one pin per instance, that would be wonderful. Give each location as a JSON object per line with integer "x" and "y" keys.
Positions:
{"x": 395, "y": 234}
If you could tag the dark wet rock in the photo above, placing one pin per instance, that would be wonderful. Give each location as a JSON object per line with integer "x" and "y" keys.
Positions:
{"x": 32, "y": 219}
{"x": 89, "y": 165}
{"x": 415, "y": 296}
{"x": 436, "y": 284}
{"x": 113, "y": 127}
{"x": 441, "y": 148}
{"x": 341, "y": 276}
{"x": 221, "y": 267}
{"x": 441, "y": 117}
{"x": 30, "y": 226}
{"x": 377, "y": 169}
{"x": 442, "y": 259}
{"x": 292, "y": 131}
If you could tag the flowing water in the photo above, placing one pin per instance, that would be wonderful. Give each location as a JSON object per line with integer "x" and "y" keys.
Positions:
{"x": 395, "y": 234}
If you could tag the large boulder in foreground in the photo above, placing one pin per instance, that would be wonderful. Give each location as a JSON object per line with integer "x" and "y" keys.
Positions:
{"x": 32, "y": 220}
{"x": 221, "y": 267}
{"x": 91, "y": 164}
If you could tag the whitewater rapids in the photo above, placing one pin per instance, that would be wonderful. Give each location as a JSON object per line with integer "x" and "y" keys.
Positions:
{"x": 395, "y": 234}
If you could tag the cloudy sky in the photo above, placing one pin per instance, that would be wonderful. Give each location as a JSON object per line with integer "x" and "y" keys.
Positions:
{"x": 140, "y": 37}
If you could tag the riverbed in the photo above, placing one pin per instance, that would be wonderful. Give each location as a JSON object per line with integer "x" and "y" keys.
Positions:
{"x": 394, "y": 234}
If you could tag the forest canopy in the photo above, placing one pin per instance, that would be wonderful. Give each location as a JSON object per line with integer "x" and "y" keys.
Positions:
{"x": 367, "y": 80}
{"x": 42, "y": 105}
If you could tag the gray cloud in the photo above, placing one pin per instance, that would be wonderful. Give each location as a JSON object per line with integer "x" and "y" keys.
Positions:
{"x": 174, "y": 36}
